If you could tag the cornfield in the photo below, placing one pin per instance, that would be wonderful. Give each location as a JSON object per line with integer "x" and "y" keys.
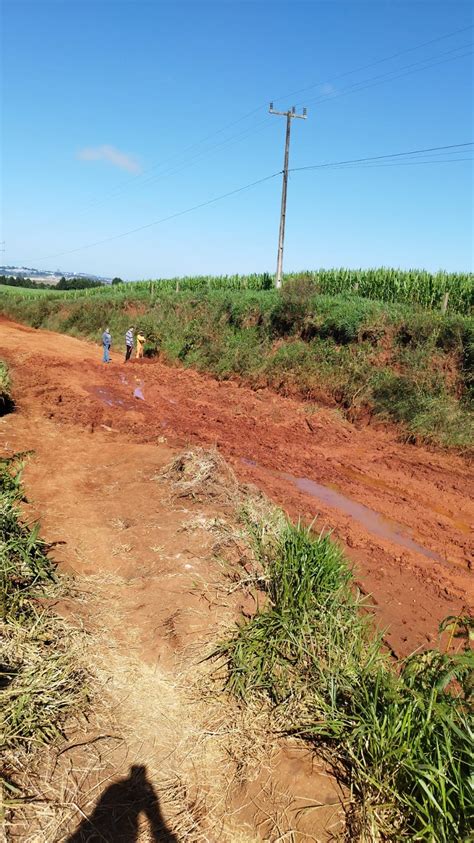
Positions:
{"x": 412, "y": 286}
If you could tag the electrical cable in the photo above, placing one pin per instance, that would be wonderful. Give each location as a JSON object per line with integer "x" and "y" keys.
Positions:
{"x": 379, "y": 80}
{"x": 375, "y": 63}
{"x": 332, "y": 164}
{"x": 380, "y": 157}
{"x": 183, "y": 164}
{"x": 163, "y": 219}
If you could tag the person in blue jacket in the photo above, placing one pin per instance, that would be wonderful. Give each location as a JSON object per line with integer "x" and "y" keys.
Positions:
{"x": 106, "y": 343}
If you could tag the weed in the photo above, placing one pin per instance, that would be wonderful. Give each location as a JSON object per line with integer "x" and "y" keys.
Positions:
{"x": 401, "y": 738}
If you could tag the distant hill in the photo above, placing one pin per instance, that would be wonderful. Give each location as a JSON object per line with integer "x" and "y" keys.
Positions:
{"x": 48, "y": 276}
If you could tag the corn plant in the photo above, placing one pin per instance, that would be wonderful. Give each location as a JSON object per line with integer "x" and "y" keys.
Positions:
{"x": 386, "y": 284}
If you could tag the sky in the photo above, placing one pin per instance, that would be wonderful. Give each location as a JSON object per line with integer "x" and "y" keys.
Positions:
{"x": 120, "y": 113}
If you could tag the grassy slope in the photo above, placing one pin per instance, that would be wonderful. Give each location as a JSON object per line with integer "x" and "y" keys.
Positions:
{"x": 410, "y": 366}
{"x": 401, "y": 736}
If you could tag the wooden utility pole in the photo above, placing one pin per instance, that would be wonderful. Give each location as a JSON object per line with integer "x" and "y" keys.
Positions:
{"x": 281, "y": 236}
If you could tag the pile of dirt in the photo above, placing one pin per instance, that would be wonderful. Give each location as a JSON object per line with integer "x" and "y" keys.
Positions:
{"x": 203, "y": 475}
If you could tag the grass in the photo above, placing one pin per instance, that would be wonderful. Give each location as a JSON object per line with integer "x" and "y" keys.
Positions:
{"x": 400, "y": 736}
{"x": 41, "y": 681}
{"x": 392, "y": 362}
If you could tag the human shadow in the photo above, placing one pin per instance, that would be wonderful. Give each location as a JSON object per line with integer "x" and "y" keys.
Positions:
{"x": 116, "y": 816}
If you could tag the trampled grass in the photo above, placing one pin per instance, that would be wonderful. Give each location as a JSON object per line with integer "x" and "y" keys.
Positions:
{"x": 399, "y": 735}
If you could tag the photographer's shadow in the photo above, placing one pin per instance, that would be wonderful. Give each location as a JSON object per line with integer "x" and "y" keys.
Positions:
{"x": 116, "y": 817}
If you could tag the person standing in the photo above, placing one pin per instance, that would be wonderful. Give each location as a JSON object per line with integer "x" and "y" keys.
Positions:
{"x": 141, "y": 340}
{"x": 106, "y": 343}
{"x": 128, "y": 344}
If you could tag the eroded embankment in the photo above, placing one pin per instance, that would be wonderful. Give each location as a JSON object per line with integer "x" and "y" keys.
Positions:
{"x": 376, "y": 362}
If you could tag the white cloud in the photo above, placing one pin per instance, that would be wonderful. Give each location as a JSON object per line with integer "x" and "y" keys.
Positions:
{"x": 327, "y": 89}
{"x": 112, "y": 155}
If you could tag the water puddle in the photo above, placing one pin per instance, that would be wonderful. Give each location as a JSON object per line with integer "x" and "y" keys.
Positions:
{"x": 373, "y": 521}
{"x": 106, "y": 396}
{"x": 138, "y": 391}
{"x": 109, "y": 398}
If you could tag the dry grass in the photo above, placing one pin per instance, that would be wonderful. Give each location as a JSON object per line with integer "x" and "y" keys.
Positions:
{"x": 121, "y": 549}
{"x": 202, "y": 475}
{"x": 120, "y": 524}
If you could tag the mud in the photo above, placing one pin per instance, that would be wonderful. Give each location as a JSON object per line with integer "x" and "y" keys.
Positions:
{"x": 407, "y": 528}
{"x": 372, "y": 521}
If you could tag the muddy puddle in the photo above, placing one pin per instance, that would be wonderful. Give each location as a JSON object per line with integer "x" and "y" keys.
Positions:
{"x": 369, "y": 518}
{"x": 110, "y": 398}
{"x": 106, "y": 396}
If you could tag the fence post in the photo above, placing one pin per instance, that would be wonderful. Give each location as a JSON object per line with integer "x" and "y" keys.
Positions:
{"x": 444, "y": 304}
{"x": 177, "y": 286}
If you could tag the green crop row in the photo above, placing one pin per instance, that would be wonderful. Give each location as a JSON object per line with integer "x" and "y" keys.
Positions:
{"x": 418, "y": 287}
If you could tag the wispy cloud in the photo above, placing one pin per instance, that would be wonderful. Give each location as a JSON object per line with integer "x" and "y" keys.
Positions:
{"x": 112, "y": 155}
{"x": 326, "y": 89}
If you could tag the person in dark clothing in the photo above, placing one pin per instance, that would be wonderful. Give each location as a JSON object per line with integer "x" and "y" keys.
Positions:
{"x": 128, "y": 344}
{"x": 106, "y": 343}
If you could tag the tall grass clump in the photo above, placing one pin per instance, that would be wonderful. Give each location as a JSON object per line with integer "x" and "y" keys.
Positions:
{"x": 41, "y": 681}
{"x": 400, "y": 736}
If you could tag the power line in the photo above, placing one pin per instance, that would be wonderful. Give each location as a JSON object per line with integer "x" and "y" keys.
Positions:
{"x": 380, "y": 78}
{"x": 179, "y": 167}
{"x": 135, "y": 180}
{"x": 379, "y": 165}
{"x": 130, "y": 181}
{"x": 158, "y": 222}
{"x": 352, "y": 161}
{"x": 377, "y": 62}
{"x": 358, "y": 86}
{"x": 380, "y": 157}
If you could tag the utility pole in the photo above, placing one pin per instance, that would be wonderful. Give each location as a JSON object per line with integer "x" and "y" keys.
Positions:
{"x": 281, "y": 236}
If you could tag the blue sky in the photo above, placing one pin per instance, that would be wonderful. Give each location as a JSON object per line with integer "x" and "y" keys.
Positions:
{"x": 107, "y": 103}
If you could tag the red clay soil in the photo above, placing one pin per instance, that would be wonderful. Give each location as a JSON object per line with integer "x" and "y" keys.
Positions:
{"x": 404, "y": 514}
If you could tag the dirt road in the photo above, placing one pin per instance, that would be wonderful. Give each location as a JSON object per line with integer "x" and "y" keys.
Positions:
{"x": 405, "y": 514}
